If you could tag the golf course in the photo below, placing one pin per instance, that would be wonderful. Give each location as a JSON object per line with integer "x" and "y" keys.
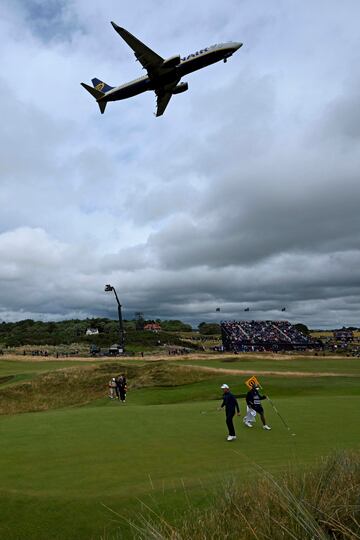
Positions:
{"x": 75, "y": 464}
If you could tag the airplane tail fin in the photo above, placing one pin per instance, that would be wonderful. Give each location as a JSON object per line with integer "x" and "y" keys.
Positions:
{"x": 97, "y": 94}
{"x": 101, "y": 85}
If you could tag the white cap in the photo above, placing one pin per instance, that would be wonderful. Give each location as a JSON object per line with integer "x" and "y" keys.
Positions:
{"x": 224, "y": 386}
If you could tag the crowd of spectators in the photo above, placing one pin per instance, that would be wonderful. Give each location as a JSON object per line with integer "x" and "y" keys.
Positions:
{"x": 343, "y": 335}
{"x": 244, "y": 336}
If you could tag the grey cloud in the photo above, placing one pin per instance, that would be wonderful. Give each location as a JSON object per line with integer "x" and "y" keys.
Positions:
{"x": 284, "y": 207}
{"x": 343, "y": 115}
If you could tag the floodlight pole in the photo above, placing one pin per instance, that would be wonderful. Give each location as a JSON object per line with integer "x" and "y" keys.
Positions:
{"x": 109, "y": 288}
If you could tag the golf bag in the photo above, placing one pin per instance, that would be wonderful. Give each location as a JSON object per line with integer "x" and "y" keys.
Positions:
{"x": 250, "y": 415}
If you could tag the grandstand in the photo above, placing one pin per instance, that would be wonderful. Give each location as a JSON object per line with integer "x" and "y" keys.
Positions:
{"x": 245, "y": 336}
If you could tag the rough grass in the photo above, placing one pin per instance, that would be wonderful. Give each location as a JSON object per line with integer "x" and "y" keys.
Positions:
{"x": 321, "y": 504}
{"x": 6, "y": 379}
{"x": 76, "y": 386}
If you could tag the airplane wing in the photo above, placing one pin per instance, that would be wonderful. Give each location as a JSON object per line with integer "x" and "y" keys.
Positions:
{"x": 147, "y": 58}
{"x": 162, "y": 101}
{"x": 163, "y": 96}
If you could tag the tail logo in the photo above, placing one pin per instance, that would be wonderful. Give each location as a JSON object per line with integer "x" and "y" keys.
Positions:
{"x": 100, "y": 86}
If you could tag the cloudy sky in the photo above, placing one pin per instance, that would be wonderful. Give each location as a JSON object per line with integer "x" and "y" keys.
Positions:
{"x": 245, "y": 193}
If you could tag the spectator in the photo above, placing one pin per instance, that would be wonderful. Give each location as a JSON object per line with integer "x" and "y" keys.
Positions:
{"x": 112, "y": 388}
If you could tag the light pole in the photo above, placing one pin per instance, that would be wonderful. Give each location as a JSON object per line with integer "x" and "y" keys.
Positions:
{"x": 109, "y": 288}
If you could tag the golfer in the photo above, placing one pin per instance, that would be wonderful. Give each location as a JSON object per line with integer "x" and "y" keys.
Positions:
{"x": 230, "y": 403}
{"x": 121, "y": 387}
{"x": 253, "y": 401}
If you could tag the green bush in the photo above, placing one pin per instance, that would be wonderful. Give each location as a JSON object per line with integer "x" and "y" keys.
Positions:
{"x": 209, "y": 329}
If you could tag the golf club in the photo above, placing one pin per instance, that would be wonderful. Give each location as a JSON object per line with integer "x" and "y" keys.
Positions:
{"x": 281, "y": 418}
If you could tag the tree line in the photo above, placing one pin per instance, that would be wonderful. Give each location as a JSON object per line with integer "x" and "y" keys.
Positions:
{"x": 30, "y": 332}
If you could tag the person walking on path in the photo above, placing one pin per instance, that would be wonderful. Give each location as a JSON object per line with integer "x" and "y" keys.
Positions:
{"x": 231, "y": 405}
{"x": 253, "y": 401}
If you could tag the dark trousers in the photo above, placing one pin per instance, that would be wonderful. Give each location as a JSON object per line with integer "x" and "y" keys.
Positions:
{"x": 122, "y": 394}
{"x": 229, "y": 422}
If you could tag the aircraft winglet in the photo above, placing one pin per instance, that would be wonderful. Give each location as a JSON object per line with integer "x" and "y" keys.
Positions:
{"x": 116, "y": 26}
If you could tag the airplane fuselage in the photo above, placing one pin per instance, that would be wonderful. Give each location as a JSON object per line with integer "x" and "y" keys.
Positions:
{"x": 189, "y": 64}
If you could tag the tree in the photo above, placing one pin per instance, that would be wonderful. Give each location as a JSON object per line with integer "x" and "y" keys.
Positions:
{"x": 209, "y": 329}
{"x": 174, "y": 325}
{"x": 302, "y": 328}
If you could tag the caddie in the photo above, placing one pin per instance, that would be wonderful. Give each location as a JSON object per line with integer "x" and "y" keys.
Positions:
{"x": 253, "y": 401}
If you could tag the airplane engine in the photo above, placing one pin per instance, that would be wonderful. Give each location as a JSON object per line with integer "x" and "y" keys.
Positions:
{"x": 182, "y": 87}
{"x": 172, "y": 62}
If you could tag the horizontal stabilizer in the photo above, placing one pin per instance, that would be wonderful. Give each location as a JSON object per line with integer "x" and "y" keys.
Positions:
{"x": 97, "y": 94}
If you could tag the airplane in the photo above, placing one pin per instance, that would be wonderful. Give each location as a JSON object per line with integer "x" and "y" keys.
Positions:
{"x": 163, "y": 75}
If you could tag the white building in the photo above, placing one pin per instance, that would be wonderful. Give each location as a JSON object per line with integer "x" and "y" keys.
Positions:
{"x": 92, "y": 332}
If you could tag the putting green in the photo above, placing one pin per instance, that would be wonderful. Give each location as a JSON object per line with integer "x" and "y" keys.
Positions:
{"x": 64, "y": 472}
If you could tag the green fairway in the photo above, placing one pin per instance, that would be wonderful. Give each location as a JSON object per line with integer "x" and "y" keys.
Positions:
{"x": 62, "y": 469}
{"x": 303, "y": 364}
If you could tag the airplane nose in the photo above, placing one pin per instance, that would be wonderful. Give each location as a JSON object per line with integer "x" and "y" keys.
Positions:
{"x": 238, "y": 45}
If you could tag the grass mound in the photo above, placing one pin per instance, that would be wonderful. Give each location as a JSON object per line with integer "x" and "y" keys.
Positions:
{"x": 6, "y": 379}
{"x": 321, "y": 504}
{"x": 76, "y": 386}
